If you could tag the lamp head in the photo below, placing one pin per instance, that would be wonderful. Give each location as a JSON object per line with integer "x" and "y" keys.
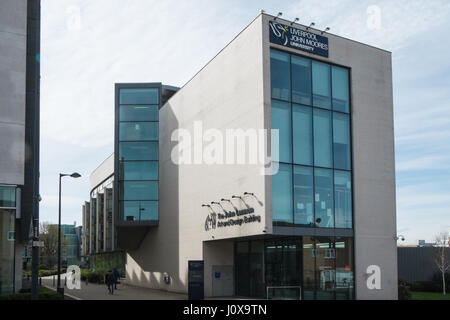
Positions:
{"x": 75, "y": 175}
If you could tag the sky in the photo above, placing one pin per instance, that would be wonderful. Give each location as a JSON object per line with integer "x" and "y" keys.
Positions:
{"x": 88, "y": 45}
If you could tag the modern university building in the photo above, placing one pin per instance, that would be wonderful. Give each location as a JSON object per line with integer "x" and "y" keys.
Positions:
{"x": 19, "y": 135}
{"x": 315, "y": 229}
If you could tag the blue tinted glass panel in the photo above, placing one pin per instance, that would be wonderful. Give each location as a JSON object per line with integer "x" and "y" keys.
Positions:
{"x": 343, "y": 199}
{"x": 341, "y": 141}
{"x": 139, "y": 113}
{"x": 139, "y": 190}
{"x": 282, "y": 194}
{"x": 138, "y": 151}
{"x": 323, "y": 197}
{"x": 140, "y": 170}
{"x": 280, "y": 75}
{"x": 340, "y": 90}
{"x": 139, "y": 210}
{"x": 303, "y": 196}
{"x": 139, "y": 96}
{"x": 281, "y": 120}
{"x": 135, "y": 131}
{"x": 322, "y": 139}
{"x": 7, "y": 196}
{"x": 302, "y": 134}
{"x": 301, "y": 80}
{"x": 321, "y": 85}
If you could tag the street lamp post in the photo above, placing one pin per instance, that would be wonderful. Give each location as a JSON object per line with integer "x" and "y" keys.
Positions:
{"x": 73, "y": 175}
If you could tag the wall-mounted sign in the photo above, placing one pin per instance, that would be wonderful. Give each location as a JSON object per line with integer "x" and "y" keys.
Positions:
{"x": 231, "y": 218}
{"x": 298, "y": 39}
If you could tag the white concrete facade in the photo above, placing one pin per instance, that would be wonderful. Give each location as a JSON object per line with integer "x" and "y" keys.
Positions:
{"x": 233, "y": 92}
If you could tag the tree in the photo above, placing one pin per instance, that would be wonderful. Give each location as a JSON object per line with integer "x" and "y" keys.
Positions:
{"x": 441, "y": 258}
{"x": 49, "y": 235}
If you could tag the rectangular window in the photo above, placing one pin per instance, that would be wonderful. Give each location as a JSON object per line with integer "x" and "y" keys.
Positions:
{"x": 323, "y": 197}
{"x": 282, "y": 195}
{"x": 302, "y": 135}
{"x": 321, "y": 85}
{"x": 136, "y": 131}
{"x": 325, "y": 269}
{"x": 139, "y": 113}
{"x": 343, "y": 199}
{"x": 281, "y": 120}
{"x": 340, "y": 90}
{"x": 139, "y": 96}
{"x": 7, "y": 197}
{"x": 280, "y": 75}
{"x": 139, "y": 190}
{"x": 138, "y": 170}
{"x": 139, "y": 210}
{"x": 341, "y": 141}
{"x": 322, "y": 139}
{"x": 303, "y": 196}
{"x": 138, "y": 151}
{"x": 301, "y": 80}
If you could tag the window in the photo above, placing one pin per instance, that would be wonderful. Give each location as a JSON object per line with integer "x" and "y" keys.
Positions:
{"x": 135, "y": 131}
{"x": 303, "y": 196}
{"x": 340, "y": 83}
{"x": 282, "y": 194}
{"x": 281, "y": 120}
{"x": 314, "y": 142}
{"x": 323, "y": 197}
{"x": 138, "y": 113}
{"x": 301, "y": 80}
{"x": 341, "y": 141}
{"x": 138, "y": 134}
{"x": 322, "y": 139}
{"x": 139, "y": 190}
{"x": 139, "y": 96}
{"x": 7, "y": 197}
{"x": 139, "y": 170}
{"x": 321, "y": 85}
{"x": 280, "y": 75}
{"x": 138, "y": 151}
{"x": 139, "y": 210}
{"x": 302, "y": 134}
{"x": 343, "y": 199}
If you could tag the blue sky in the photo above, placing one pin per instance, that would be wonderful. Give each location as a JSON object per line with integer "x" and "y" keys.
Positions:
{"x": 89, "y": 45}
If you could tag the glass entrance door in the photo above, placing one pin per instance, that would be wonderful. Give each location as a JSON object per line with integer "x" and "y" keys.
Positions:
{"x": 283, "y": 260}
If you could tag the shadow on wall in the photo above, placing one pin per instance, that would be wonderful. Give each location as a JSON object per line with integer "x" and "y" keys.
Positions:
{"x": 158, "y": 253}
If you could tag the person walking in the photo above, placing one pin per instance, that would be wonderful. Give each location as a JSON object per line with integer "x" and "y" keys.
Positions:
{"x": 109, "y": 281}
{"x": 116, "y": 275}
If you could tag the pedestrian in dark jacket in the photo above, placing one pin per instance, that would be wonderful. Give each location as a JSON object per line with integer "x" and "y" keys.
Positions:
{"x": 116, "y": 275}
{"x": 109, "y": 281}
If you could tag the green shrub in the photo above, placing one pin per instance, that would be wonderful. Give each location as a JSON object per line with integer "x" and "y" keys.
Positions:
{"x": 25, "y": 294}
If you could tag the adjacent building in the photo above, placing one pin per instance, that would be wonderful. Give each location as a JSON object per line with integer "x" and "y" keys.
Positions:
{"x": 308, "y": 221}
{"x": 19, "y": 134}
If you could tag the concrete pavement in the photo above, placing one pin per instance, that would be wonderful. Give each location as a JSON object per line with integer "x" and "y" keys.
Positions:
{"x": 93, "y": 291}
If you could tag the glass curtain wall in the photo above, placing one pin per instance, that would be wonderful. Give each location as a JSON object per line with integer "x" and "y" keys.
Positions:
{"x": 311, "y": 110}
{"x": 138, "y": 153}
{"x": 284, "y": 268}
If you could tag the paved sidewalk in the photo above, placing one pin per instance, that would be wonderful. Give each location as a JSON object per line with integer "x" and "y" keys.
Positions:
{"x": 125, "y": 292}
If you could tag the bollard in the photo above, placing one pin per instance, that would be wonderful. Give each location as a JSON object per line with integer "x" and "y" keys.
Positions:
{"x": 65, "y": 281}
{"x": 53, "y": 280}
{"x": 40, "y": 281}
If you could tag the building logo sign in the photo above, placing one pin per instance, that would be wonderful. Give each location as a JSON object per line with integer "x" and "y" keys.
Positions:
{"x": 298, "y": 39}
